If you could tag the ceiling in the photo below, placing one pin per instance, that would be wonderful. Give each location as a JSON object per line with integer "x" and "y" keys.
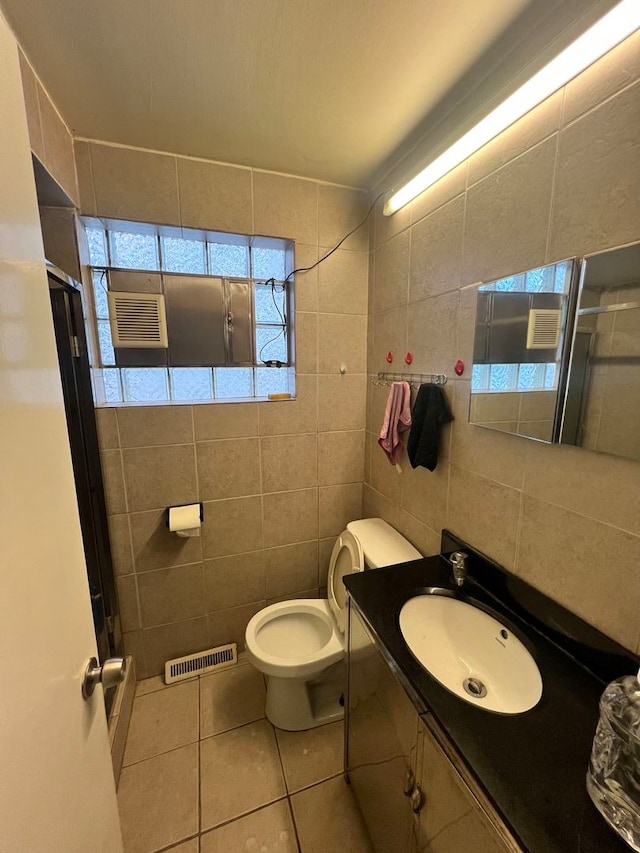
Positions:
{"x": 328, "y": 89}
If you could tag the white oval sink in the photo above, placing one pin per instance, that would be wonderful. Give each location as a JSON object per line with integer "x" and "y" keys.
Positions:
{"x": 471, "y": 653}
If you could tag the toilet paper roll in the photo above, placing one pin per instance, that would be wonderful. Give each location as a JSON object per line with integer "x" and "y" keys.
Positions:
{"x": 185, "y": 520}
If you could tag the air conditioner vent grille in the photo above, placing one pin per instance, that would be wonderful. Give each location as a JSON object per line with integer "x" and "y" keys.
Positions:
{"x": 544, "y": 329}
{"x": 138, "y": 320}
{"x": 200, "y": 663}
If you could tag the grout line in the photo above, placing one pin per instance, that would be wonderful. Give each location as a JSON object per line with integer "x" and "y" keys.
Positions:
{"x": 294, "y": 824}
{"x": 158, "y": 754}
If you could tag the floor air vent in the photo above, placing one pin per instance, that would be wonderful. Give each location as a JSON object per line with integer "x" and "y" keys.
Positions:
{"x": 199, "y": 664}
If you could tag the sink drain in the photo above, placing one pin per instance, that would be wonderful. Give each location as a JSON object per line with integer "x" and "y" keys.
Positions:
{"x": 474, "y": 687}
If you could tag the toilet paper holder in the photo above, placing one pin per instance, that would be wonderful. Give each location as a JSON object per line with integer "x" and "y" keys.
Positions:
{"x": 187, "y": 519}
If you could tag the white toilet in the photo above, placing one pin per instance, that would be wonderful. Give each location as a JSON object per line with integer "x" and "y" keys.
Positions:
{"x": 300, "y": 644}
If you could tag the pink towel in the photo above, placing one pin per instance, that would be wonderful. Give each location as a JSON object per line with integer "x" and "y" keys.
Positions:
{"x": 397, "y": 419}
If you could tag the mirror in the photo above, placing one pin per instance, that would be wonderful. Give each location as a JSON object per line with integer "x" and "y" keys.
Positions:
{"x": 602, "y": 409}
{"x": 521, "y": 349}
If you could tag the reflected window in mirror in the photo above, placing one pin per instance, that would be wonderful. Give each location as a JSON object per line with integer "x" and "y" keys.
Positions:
{"x": 602, "y": 410}
{"x": 521, "y": 350}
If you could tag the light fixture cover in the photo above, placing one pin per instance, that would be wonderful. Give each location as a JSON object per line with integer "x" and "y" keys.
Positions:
{"x": 605, "y": 34}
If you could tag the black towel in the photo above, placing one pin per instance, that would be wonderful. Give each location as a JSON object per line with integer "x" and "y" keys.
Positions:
{"x": 430, "y": 412}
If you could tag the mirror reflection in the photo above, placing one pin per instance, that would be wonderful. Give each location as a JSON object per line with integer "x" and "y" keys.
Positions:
{"x": 603, "y": 391}
{"x": 520, "y": 346}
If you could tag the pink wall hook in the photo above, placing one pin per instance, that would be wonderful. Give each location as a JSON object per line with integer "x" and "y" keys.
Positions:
{"x": 409, "y": 358}
{"x": 389, "y": 357}
{"x": 459, "y": 367}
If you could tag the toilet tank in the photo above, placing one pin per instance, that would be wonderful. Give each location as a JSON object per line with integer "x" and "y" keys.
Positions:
{"x": 381, "y": 544}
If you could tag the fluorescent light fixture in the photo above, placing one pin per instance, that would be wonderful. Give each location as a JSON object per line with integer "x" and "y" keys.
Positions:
{"x": 609, "y": 31}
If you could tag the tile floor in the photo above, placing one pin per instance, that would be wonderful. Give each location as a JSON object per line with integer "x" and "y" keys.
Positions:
{"x": 205, "y": 772}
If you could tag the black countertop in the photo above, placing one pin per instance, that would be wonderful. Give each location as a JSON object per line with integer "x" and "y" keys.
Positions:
{"x": 532, "y": 765}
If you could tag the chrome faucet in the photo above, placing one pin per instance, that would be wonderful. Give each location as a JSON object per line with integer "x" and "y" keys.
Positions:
{"x": 458, "y": 562}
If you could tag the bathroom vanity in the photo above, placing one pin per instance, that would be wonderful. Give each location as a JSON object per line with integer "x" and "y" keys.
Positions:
{"x": 433, "y": 772}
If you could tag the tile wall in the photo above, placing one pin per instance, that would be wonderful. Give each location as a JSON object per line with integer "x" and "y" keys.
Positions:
{"x": 50, "y": 139}
{"x": 563, "y": 181}
{"x": 279, "y": 480}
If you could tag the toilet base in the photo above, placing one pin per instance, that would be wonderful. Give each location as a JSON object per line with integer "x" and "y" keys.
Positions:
{"x": 295, "y": 705}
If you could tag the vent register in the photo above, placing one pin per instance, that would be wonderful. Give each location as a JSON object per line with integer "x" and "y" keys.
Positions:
{"x": 200, "y": 663}
{"x": 180, "y": 320}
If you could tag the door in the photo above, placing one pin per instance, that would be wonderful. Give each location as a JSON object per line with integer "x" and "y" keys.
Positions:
{"x": 66, "y": 305}
{"x": 57, "y": 793}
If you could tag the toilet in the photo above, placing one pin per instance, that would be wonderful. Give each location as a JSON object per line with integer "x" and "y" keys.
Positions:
{"x": 300, "y": 644}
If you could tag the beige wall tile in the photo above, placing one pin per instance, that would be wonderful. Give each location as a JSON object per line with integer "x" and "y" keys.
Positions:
{"x": 156, "y": 547}
{"x": 229, "y": 626}
{"x": 120, "y": 541}
{"x": 167, "y": 642}
{"x": 306, "y": 283}
{"x": 389, "y": 335}
{"x": 171, "y": 595}
{"x": 213, "y": 196}
{"x": 384, "y": 477}
{"x": 225, "y": 420}
{"x": 58, "y": 227}
{"x": 340, "y": 210}
{"x": 232, "y": 527}
{"x": 467, "y": 326}
{"x": 616, "y": 69}
{"x": 290, "y": 517}
{"x": 285, "y": 207}
{"x": 291, "y": 568}
{"x": 289, "y": 462}
{"x": 134, "y": 645}
{"x": 107, "y": 426}
{"x": 436, "y": 249}
{"x": 292, "y": 416}
{"x": 341, "y": 402}
{"x": 375, "y": 505}
{"x": 340, "y": 457}
{"x": 325, "y": 548}
{"x": 508, "y": 216}
{"x": 378, "y": 396}
{"x": 592, "y": 484}
{"x": 485, "y": 514}
{"x": 133, "y": 184}
{"x": 486, "y": 408}
{"x": 391, "y": 273}
{"x": 440, "y": 193}
{"x": 229, "y": 468}
{"x": 233, "y": 581}
{"x": 386, "y": 227}
{"x": 532, "y": 128}
{"x": 424, "y": 494}
{"x": 114, "y": 494}
{"x": 158, "y": 800}
{"x": 587, "y": 566}
{"x": 343, "y": 283}
{"x": 306, "y": 343}
{"x": 423, "y": 538}
{"x": 158, "y": 477}
{"x": 84, "y": 171}
{"x": 482, "y": 451}
{"x": 58, "y": 147}
{"x": 597, "y": 194}
{"x": 30, "y": 89}
{"x": 127, "y": 590}
{"x": 339, "y": 505}
{"x": 147, "y": 426}
{"x": 431, "y": 334}
{"x": 342, "y": 339}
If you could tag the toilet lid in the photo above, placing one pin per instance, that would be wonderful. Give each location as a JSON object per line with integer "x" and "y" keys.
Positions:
{"x": 346, "y": 558}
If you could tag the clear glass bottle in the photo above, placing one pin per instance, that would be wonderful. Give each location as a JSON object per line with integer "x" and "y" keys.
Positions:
{"x": 613, "y": 778}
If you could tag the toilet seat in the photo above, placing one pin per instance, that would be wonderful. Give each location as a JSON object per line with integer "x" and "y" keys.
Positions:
{"x": 294, "y": 639}
{"x": 347, "y": 557}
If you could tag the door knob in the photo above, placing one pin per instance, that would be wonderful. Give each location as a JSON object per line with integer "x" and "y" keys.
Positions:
{"x": 109, "y": 674}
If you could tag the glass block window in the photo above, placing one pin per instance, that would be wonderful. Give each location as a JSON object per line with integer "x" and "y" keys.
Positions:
{"x": 502, "y": 378}
{"x": 161, "y": 249}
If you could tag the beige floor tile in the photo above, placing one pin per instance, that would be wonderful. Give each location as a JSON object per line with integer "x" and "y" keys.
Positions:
{"x": 268, "y": 830}
{"x": 230, "y": 699}
{"x": 158, "y": 800}
{"x": 150, "y": 685}
{"x": 190, "y": 846}
{"x": 311, "y": 756}
{"x": 162, "y": 721}
{"x": 240, "y": 771}
{"x": 328, "y": 820}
